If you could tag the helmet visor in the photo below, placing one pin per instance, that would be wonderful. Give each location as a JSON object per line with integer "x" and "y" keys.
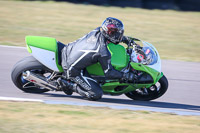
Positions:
{"x": 116, "y": 35}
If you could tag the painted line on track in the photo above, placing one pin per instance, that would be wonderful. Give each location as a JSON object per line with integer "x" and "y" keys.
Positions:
{"x": 20, "y": 99}
{"x": 6, "y": 46}
{"x": 134, "y": 108}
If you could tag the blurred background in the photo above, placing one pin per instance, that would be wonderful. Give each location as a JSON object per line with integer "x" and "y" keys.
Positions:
{"x": 184, "y": 5}
{"x": 173, "y": 26}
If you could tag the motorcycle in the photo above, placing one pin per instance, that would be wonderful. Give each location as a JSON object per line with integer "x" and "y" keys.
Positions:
{"x": 39, "y": 73}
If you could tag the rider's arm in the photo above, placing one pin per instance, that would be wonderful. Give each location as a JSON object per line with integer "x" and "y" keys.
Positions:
{"x": 127, "y": 40}
{"x": 111, "y": 73}
{"x": 108, "y": 69}
{"x": 105, "y": 61}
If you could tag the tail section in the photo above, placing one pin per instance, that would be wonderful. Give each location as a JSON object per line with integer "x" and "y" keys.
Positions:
{"x": 45, "y": 50}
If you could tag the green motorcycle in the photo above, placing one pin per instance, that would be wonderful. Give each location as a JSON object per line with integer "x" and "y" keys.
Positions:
{"x": 38, "y": 73}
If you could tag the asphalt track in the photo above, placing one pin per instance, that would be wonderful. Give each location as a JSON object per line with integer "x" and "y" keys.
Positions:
{"x": 182, "y": 97}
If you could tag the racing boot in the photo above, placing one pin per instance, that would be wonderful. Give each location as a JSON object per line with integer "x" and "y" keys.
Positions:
{"x": 67, "y": 86}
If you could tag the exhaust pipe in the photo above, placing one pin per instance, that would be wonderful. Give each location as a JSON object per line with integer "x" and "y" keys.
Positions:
{"x": 39, "y": 80}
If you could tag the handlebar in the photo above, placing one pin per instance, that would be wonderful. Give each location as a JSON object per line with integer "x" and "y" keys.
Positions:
{"x": 136, "y": 47}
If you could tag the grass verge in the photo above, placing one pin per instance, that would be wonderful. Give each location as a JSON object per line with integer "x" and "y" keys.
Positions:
{"x": 174, "y": 33}
{"x": 23, "y": 117}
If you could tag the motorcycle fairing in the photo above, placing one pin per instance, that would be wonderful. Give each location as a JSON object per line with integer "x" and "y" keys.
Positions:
{"x": 110, "y": 88}
{"x": 45, "y": 50}
{"x": 119, "y": 60}
{"x": 157, "y": 65}
{"x": 119, "y": 57}
{"x": 152, "y": 72}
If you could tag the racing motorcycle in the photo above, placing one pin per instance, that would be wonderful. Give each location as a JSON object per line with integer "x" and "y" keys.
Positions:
{"x": 39, "y": 73}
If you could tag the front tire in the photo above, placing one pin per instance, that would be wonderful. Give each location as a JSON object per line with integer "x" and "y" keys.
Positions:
{"x": 151, "y": 94}
{"x": 30, "y": 64}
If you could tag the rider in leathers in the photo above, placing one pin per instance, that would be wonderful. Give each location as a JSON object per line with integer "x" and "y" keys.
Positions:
{"x": 88, "y": 50}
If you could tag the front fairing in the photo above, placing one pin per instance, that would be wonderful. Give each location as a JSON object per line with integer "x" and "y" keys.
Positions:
{"x": 152, "y": 66}
{"x": 148, "y": 56}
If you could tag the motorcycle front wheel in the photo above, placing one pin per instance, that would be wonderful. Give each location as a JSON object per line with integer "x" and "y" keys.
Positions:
{"x": 147, "y": 94}
{"x": 28, "y": 64}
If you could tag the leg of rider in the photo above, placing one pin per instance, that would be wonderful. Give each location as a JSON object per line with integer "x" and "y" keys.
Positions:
{"x": 87, "y": 87}
{"x": 84, "y": 86}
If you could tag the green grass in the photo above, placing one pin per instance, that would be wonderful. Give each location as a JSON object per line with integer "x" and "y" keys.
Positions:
{"x": 26, "y": 117}
{"x": 176, "y": 34}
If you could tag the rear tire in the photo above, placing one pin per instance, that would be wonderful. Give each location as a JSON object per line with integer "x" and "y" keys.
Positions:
{"x": 135, "y": 95}
{"x": 31, "y": 64}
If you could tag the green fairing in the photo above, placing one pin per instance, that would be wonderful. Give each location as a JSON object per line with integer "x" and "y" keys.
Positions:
{"x": 119, "y": 58}
{"x": 29, "y": 49}
{"x": 95, "y": 69}
{"x": 118, "y": 61}
{"x": 46, "y": 43}
{"x": 140, "y": 67}
{"x": 110, "y": 87}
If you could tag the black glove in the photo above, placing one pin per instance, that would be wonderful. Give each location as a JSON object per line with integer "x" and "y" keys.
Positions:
{"x": 128, "y": 77}
{"x": 127, "y": 40}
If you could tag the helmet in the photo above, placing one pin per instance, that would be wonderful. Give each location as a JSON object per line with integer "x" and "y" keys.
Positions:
{"x": 112, "y": 29}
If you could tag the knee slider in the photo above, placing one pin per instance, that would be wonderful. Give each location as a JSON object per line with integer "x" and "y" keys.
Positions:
{"x": 95, "y": 96}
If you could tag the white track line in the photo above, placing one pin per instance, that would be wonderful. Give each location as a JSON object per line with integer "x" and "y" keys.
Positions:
{"x": 5, "y": 46}
{"x": 20, "y": 99}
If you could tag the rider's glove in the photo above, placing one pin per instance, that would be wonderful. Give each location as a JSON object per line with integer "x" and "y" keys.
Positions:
{"x": 128, "y": 77}
{"x": 127, "y": 40}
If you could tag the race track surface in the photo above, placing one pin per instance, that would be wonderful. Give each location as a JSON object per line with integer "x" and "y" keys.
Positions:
{"x": 183, "y": 95}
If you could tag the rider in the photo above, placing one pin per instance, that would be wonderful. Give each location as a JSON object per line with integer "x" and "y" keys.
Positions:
{"x": 88, "y": 50}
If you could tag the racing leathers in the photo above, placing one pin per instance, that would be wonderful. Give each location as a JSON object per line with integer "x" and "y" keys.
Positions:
{"x": 88, "y": 50}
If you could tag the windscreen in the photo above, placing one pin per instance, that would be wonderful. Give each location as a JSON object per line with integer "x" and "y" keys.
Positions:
{"x": 147, "y": 55}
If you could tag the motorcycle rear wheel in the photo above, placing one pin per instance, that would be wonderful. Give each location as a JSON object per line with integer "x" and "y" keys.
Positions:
{"x": 151, "y": 93}
{"x": 30, "y": 64}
